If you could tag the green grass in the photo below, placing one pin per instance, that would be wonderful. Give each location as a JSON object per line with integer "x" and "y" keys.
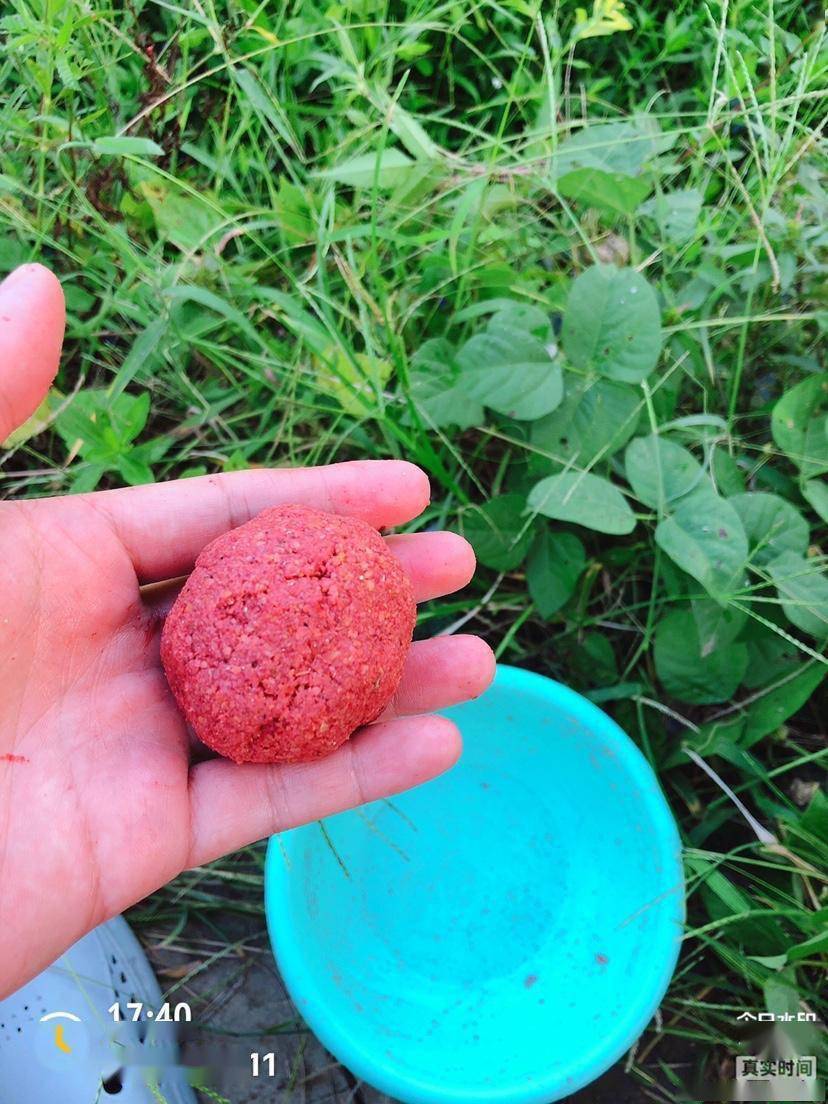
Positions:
{"x": 320, "y": 206}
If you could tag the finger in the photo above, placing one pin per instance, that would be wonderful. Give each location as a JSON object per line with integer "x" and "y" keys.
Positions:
{"x": 32, "y": 319}
{"x": 164, "y": 526}
{"x": 437, "y": 563}
{"x": 442, "y": 672}
{"x": 232, "y": 806}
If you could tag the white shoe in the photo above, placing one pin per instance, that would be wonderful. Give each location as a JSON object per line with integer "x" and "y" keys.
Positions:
{"x": 60, "y": 1042}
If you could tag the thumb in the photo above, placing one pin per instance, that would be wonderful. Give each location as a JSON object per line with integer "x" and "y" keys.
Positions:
{"x": 32, "y": 317}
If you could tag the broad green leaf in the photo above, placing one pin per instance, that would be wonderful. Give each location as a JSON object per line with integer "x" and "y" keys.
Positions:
{"x": 612, "y": 147}
{"x": 677, "y": 214}
{"x": 767, "y": 713}
{"x": 595, "y": 419}
{"x": 511, "y": 316}
{"x": 101, "y": 427}
{"x": 612, "y": 324}
{"x": 78, "y": 299}
{"x": 187, "y": 222}
{"x": 816, "y": 492}
{"x": 498, "y": 532}
{"x": 614, "y": 192}
{"x": 153, "y": 450}
{"x": 772, "y": 525}
{"x": 803, "y": 589}
{"x": 128, "y": 415}
{"x": 591, "y": 660}
{"x": 585, "y": 499}
{"x": 386, "y": 168}
{"x": 82, "y": 424}
{"x": 122, "y": 145}
{"x": 688, "y": 675}
{"x": 510, "y": 371}
{"x": 522, "y": 313}
{"x": 86, "y": 478}
{"x": 716, "y": 625}
{"x": 236, "y": 461}
{"x": 727, "y": 476}
{"x": 798, "y": 425}
{"x": 555, "y": 563}
{"x": 810, "y": 948}
{"x": 677, "y": 583}
{"x": 772, "y": 655}
{"x": 659, "y": 470}
{"x": 437, "y": 389}
{"x": 705, "y": 537}
{"x": 134, "y": 471}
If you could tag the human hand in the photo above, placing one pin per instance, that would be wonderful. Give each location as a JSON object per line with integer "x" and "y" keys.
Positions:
{"x": 100, "y": 799}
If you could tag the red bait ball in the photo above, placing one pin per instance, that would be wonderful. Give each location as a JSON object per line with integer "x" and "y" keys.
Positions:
{"x": 291, "y": 632}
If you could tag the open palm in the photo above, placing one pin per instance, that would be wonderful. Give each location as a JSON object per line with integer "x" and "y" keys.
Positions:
{"x": 101, "y": 798}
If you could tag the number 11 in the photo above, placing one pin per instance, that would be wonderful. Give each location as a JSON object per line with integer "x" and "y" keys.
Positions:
{"x": 258, "y": 1061}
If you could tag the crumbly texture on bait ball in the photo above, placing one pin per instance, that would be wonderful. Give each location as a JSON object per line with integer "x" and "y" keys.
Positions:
{"x": 290, "y": 633}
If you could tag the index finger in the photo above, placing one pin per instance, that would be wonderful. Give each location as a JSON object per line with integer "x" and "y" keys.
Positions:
{"x": 164, "y": 526}
{"x": 31, "y": 333}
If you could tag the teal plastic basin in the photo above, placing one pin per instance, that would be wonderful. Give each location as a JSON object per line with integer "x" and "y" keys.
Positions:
{"x": 503, "y": 933}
